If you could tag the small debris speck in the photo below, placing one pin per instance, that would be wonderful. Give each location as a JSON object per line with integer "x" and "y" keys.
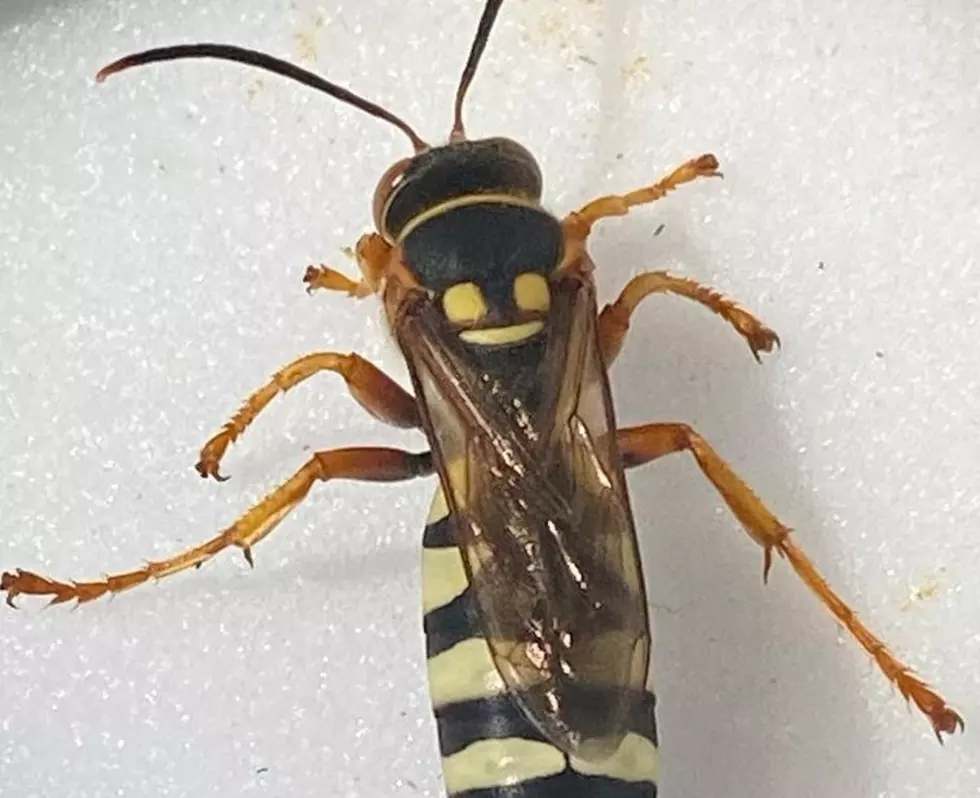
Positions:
{"x": 928, "y": 589}
{"x": 637, "y": 69}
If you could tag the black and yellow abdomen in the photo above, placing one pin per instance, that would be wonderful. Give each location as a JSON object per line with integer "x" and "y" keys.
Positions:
{"x": 489, "y": 748}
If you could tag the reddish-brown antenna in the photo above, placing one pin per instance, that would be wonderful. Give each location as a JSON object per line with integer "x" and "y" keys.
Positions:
{"x": 479, "y": 44}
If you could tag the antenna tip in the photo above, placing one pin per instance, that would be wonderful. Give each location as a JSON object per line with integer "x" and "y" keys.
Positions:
{"x": 111, "y": 69}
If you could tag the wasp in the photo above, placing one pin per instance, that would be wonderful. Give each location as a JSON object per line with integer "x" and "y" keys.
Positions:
{"x": 535, "y": 612}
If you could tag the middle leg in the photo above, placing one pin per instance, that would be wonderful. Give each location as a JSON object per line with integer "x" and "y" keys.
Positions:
{"x": 639, "y": 445}
{"x": 614, "y": 320}
{"x": 374, "y": 390}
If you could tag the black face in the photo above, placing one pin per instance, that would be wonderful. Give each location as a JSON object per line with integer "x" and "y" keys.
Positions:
{"x": 488, "y": 166}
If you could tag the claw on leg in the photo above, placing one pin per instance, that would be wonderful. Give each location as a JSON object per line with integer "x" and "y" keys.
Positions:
{"x": 944, "y": 719}
{"x": 324, "y": 278}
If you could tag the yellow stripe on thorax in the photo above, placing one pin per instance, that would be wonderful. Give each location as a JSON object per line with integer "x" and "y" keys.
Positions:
{"x": 462, "y": 202}
{"x": 496, "y": 336}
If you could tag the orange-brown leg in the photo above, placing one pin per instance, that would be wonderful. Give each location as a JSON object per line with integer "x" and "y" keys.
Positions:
{"x": 620, "y": 204}
{"x": 322, "y": 277}
{"x": 372, "y": 464}
{"x": 614, "y": 320}
{"x": 376, "y": 392}
{"x": 639, "y": 445}
{"x": 372, "y": 257}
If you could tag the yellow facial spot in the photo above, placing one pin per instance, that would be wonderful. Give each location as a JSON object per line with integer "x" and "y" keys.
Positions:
{"x": 531, "y": 292}
{"x": 496, "y": 336}
{"x": 463, "y": 303}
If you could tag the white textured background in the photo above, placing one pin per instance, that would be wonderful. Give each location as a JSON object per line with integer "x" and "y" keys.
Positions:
{"x": 153, "y": 236}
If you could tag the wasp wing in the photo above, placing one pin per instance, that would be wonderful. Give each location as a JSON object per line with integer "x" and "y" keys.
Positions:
{"x": 530, "y": 467}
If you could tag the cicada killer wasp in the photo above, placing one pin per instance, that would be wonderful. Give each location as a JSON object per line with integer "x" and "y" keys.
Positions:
{"x": 536, "y": 618}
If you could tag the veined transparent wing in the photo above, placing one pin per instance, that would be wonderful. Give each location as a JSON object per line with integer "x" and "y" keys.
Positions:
{"x": 532, "y": 476}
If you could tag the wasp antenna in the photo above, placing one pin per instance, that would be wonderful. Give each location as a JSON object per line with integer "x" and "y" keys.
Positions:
{"x": 479, "y": 45}
{"x": 241, "y": 55}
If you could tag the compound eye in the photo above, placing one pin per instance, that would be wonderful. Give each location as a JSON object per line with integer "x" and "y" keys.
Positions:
{"x": 390, "y": 180}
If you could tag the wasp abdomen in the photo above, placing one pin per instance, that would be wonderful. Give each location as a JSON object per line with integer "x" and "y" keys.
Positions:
{"x": 489, "y": 747}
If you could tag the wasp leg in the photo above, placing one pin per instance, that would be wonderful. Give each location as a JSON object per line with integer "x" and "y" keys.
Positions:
{"x": 325, "y": 278}
{"x": 639, "y": 445}
{"x": 620, "y": 204}
{"x": 372, "y": 258}
{"x": 374, "y": 390}
{"x": 614, "y": 321}
{"x": 372, "y": 464}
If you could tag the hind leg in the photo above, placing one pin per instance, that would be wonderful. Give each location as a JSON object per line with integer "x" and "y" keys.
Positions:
{"x": 369, "y": 464}
{"x": 639, "y": 445}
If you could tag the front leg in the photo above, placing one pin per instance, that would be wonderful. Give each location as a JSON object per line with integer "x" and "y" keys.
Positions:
{"x": 614, "y": 320}
{"x": 581, "y": 221}
{"x": 372, "y": 254}
{"x": 639, "y": 445}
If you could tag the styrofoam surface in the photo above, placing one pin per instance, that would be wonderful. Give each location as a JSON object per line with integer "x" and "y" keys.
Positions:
{"x": 153, "y": 236}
